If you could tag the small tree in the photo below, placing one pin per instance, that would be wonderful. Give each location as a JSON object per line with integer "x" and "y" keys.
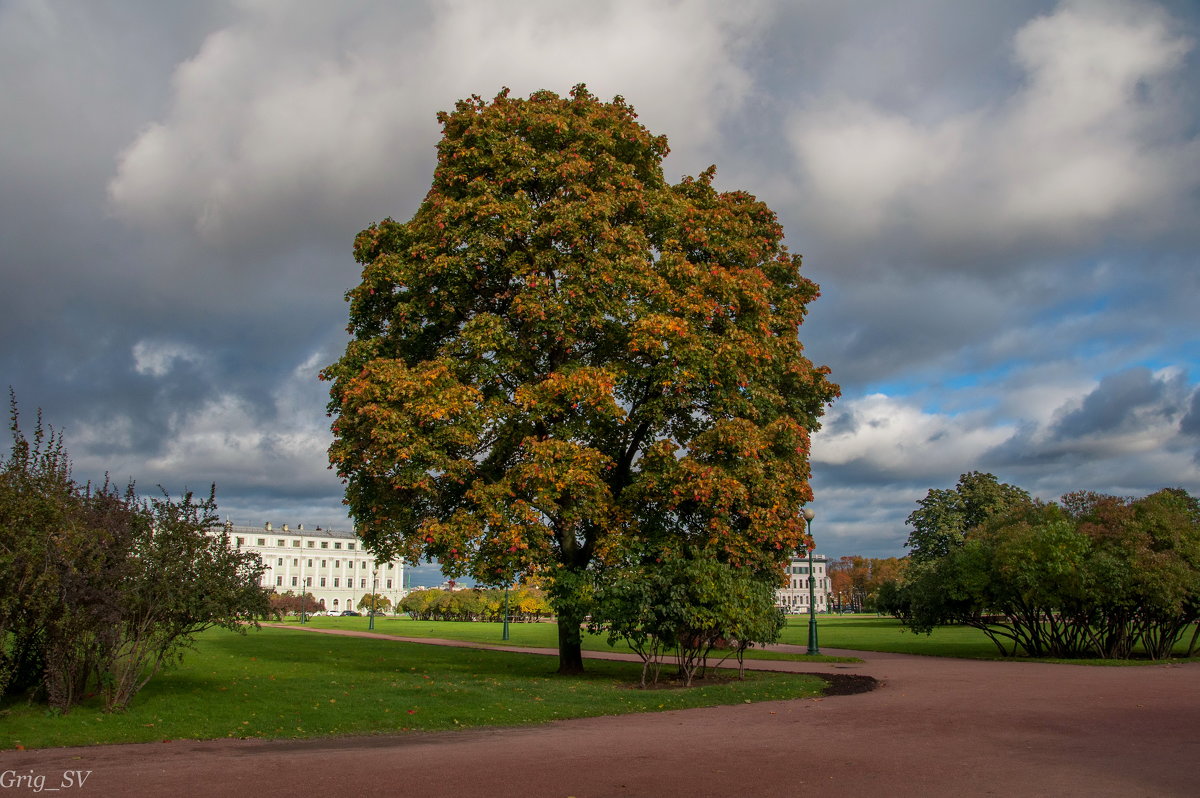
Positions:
{"x": 689, "y": 605}
{"x": 416, "y": 604}
{"x": 375, "y": 602}
{"x": 181, "y": 581}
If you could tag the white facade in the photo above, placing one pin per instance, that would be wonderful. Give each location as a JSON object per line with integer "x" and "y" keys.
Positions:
{"x": 794, "y": 597}
{"x": 330, "y": 564}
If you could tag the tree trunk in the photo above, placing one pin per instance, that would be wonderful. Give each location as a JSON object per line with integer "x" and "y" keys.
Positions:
{"x": 570, "y": 645}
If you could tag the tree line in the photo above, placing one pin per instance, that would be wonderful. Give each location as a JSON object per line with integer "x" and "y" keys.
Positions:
{"x": 290, "y": 603}
{"x": 100, "y": 589}
{"x": 1089, "y": 576}
{"x": 525, "y": 605}
{"x": 854, "y": 581}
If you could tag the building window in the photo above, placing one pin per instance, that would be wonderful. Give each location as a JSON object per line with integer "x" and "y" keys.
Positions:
{"x": 337, "y": 563}
{"x": 364, "y": 564}
{"x": 335, "y": 581}
{"x": 322, "y": 581}
{"x": 335, "y": 602}
{"x": 389, "y": 584}
{"x": 311, "y": 543}
{"x": 295, "y": 561}
{"x": 308, "y": 582}
{"x": 324, "y": 544}
{"x": 262, "y": 541}
{"x": 350, "y": 546}
{"x": 310, "y": 563}
{"x": 324, "y": 563}
{"x": 241, "y": 541}
{"x": 280, "y": 561}
{"x": 280, "y": 543}
{"x": 293, "y": 581}
{"x": 362, "y": 582}
{"x": 337, "y": 545}
{"x": 295, "y": 544}
{"x": 279, "y": 581}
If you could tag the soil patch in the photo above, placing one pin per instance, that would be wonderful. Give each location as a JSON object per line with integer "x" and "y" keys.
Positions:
{"x": 848, "y": 683}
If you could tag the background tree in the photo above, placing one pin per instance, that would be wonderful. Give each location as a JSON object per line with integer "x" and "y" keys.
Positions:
{"x": 375, "y": 601}
{"x": 1098, "y": 576}
{"x": 561, "y": 357}
{"x": 855, "y": 581}
{"x": 289, "y": 603}
{"x": 944, "y": 516}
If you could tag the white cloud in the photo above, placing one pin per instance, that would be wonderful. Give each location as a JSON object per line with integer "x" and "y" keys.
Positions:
{"x": 1091, "y": 139}
{"x": 157, "y": 358}
{"x": 283, "y": 120}
{"x": 891, "y": 436}
{"x": 864, "y": 164}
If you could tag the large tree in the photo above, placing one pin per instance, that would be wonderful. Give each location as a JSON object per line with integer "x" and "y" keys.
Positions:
{"x": 562, "y": 356}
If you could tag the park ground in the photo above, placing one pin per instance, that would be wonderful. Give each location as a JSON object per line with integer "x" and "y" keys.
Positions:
{"x": 935, "y": 726}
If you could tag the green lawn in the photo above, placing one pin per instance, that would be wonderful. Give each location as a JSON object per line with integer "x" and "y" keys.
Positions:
{"x": 859, "y": 632}
{"x": 279, "y": 683}
{"x": 865, "y": 632}
{"x": 523, "y": 635}
{"x": 875, "y": 633}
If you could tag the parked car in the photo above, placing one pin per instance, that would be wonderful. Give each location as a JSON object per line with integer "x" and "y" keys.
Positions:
{"x": 350, "y": 612}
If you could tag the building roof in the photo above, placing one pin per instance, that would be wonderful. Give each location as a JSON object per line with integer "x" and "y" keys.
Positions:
{"x": 270, "y": 529}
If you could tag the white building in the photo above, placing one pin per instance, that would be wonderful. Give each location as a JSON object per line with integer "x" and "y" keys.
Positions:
{"x": 330, "y": 564}
{"x": 794, "y": 597}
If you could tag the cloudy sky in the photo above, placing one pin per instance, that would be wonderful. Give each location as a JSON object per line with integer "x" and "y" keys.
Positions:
{"x": 999, "y": 200}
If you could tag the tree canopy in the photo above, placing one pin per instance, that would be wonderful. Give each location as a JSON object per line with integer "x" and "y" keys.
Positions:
{"x": 562, "y": 358}
{"x": 944, "y": 516}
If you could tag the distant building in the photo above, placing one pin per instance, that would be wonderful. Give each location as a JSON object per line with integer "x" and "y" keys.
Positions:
{"x": 794, "y": 597}
{"x": 330, "y": 564}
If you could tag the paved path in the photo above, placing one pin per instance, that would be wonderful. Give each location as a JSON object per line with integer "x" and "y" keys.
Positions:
{"x": 935, "y": 727}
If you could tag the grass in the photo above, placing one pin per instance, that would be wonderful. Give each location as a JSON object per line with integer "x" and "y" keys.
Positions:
{"x": 283, "y": 683}
{"x": 521, "y": 635}
{"x": 875, "y": 633}
{"x": 865, "y": 632}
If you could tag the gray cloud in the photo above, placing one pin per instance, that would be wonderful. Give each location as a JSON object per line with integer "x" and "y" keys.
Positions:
{"x": 1190, "y": 425}
{"x": 1131, "y": 399}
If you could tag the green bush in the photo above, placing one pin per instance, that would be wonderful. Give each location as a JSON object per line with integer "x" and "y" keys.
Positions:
{"x": 100, "y": 590}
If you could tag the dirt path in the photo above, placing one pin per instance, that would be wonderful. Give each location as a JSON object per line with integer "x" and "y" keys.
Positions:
{"x": 935, "y": 727}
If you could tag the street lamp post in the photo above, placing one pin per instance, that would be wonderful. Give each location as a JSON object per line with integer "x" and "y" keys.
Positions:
{"x": 813, "y": 648}
{"x": 374, "y": 595}
{"x": 505, "y": 635}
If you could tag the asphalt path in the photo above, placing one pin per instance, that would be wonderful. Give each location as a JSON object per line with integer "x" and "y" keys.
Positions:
{"x": 932, "y": 727}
